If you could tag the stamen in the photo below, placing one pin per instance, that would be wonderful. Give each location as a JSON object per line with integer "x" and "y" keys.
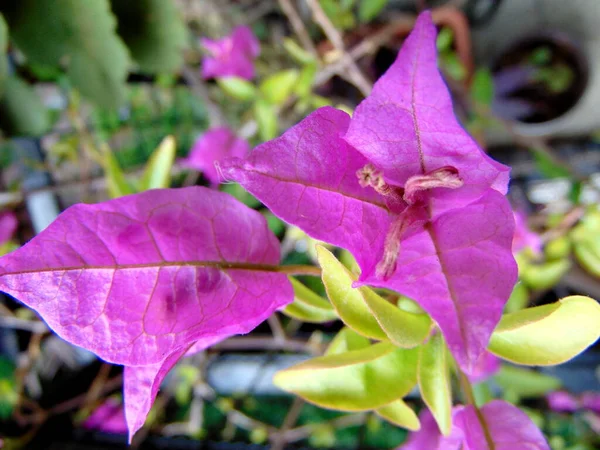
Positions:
{"x": 444, "y": 177}
{"x": 391, "y": 249}
{"x": 370, "y": 176}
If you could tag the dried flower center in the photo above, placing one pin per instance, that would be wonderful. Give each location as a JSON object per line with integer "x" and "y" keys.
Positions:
{"x": 444, "y": 177}
{"x": 412, "y": 195}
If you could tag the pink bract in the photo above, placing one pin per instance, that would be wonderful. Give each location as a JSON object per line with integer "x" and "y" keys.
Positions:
{"x": 108, "y": 417}
{"x": 562, "y": 401}
{"x": 8, "y": 226}
{"x": 213, "y": 146}
{"x": 509, "y": 428}
{"x": 404, "y": 188}
{"x": 143, "y": 279}
{"x": 486, "y": 366}
{"x": 524, "y": 237}
{"x": 231, "y": 56}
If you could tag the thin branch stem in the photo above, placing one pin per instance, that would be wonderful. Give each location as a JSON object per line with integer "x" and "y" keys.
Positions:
{"x": 356, "y": 75}
{"x": 470, "y": 400}
{"x": 298, "y": 25}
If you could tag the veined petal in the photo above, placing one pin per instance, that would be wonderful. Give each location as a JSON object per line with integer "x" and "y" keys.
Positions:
{"x": 460, "y": 269}
{"x": 407, "y": 126}
{"x": 136, "y": 278}
{"x": 308, "y": 178}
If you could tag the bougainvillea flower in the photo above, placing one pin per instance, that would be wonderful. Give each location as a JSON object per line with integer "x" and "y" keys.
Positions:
{"x": 508, "y": 427}
{"x": 109, "y": 417}
{"x": 231, "y": 56}
{"x": 562, "y": 401}
{"x": 8, "y": 226}
{"x": 487, "y": 365}
{"x": 524, "y": 237}
{"x": 215, "y": 145}
{"x": 143, "y": 279}
{"x": 404, "y": 188}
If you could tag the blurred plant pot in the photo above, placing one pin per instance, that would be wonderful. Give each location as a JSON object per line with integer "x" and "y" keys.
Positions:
{"x": 570, "y": 30}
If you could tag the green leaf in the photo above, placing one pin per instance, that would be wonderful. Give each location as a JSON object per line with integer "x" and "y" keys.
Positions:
{"x": 308, "y": 306}
{"x": 348, "y": 301}
{"x": 347, "y": 340}
{"x": 482, "y": 87}
{"x": 558, "y": 248}
{"x": 444, "y": 40}
{"x": 400, "y": 414}
{"x": 21, "y": 110}
{"x": 518, "y": 299}
{"x": 524, "y": 382}
{"x": 116, "y": 183}
{"x": 9, "y": 395}
{"x": 154, "y": 31}
{"x": 82, "y": 34}
{"x": 546, "y": 275}
{"x": 305, "y": 81}
{"x": 547, "y": 335}
{"x": 3, "y": 55}
{"x": 403, "y": 328}
{"x": 157, "y": 173}
{"x": 434, "y": 381}
{"x": 453, "y": 66}
{"x": 547, "y": 166}
{"x": 277, "y": 88}
{"x": 369, "y": 9}
{"x": 237, "y": 88}
{"x": 353, "y": 381}
{"x": 297, "y": 53}
{"x": 586, "y": 245}
{"x": 266, "y": 118}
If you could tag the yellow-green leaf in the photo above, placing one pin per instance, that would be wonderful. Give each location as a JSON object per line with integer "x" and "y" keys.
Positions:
{"x": 308, "y": 306}
{"x": 266, "y": 119}
{"x": 157, "y": 173}
{"x": 237, "y": 88}
{"x": 116, "y": 183}
{"x": 522, "y": 382}
{"x": 403, "y": 328}
{"x": 544, "y": 276}
{"x": 298, "y": 53}
{"x": 347, "y": 301}
{"x": 434, "y": 381}
{"x": 278, "y": 87}
{"x": 547, "y": 335}
{"x": 353, "y": 381}
{"x": 588, "y": 256}
{"x": 518, "y": 299}
{"x": 400, "y": 414}
{"x": 347, "y": 340}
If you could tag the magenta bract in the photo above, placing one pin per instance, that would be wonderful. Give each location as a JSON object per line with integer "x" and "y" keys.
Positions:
{"x": 524, "y": 237}
{"x": 8, "y": 226}
{"x": 231, "y": 56}
{"x": 404, "y": 188}
{"x": 509, "y": 428}
{"x": 108, "y": 417}
{"x": 213, "y": 146}
{"x": 141, "y": 279}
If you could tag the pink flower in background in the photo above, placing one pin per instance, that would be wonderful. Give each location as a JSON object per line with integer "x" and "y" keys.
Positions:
{"x": 215, "y": 145}
{"x": 509, "y": 428}
{"x": 524, "y": 237}
{"x": 109, "y": 417}
{"x": 406, "y": 190}
{"x": 8, "y": 226}
{"x": 563, "y": 401}
{"x": 231, "y": 56}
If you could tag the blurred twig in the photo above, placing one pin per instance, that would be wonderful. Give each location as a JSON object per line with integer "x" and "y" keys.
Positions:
{"x": 354, "y": 72}
{"x": 298, "y": 25}
{"x": 192, "y": 78}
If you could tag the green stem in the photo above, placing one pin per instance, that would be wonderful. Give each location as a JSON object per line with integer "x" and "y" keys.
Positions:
{"x": 467, "y": 389}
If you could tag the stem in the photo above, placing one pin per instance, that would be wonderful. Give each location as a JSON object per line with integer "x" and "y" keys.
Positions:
{"x": 467, "y": 389}
{"x": 292, "y": 269}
